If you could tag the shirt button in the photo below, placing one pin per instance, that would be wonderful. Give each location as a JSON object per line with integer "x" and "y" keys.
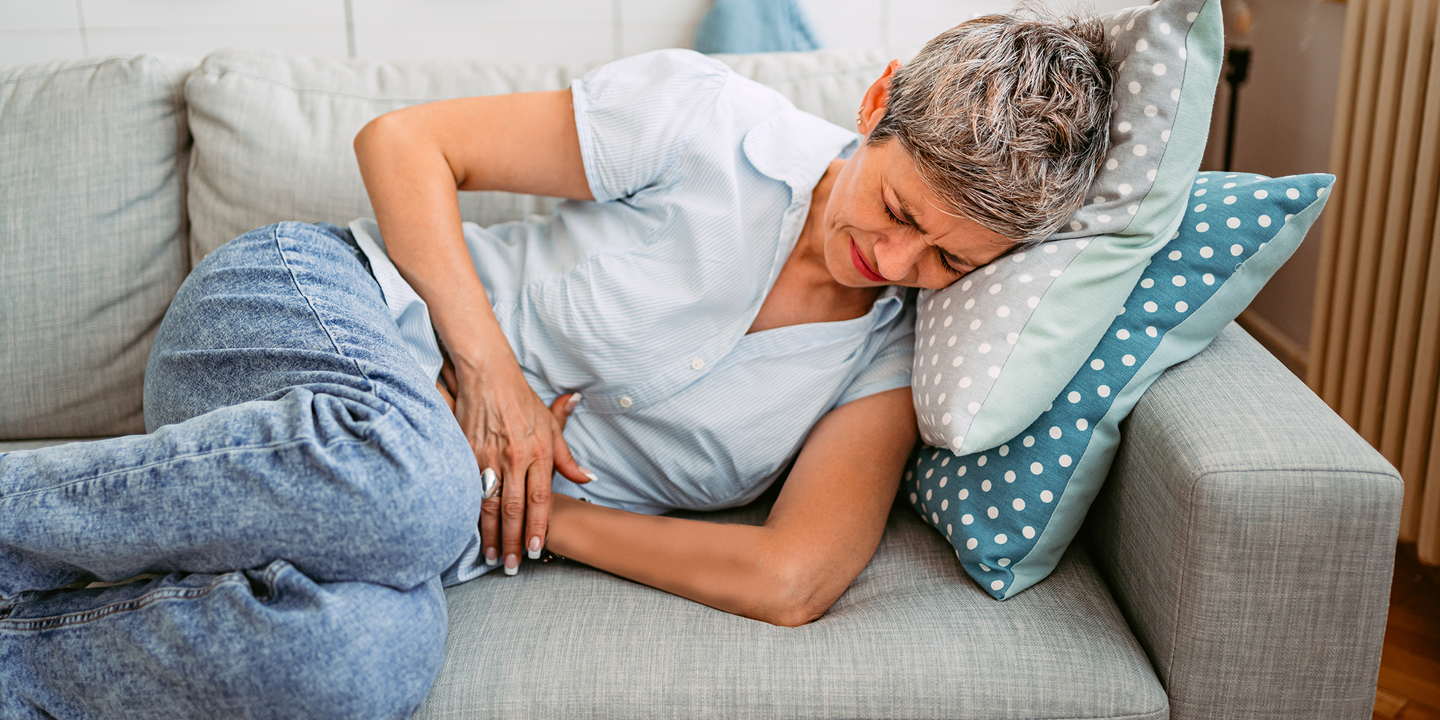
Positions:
{"x": 626, "y": 401}
{"x": 696, "y": 364}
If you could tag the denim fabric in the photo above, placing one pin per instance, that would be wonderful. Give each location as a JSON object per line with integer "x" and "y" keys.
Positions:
{"x": 301, "y": 490}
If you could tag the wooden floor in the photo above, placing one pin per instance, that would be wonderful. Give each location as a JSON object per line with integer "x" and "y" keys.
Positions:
{"x": 1410, "y": 665}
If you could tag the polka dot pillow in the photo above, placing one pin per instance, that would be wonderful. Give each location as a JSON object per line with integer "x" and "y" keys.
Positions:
{"x": 1010, "y": 511}
{"x": 997, "y": 345}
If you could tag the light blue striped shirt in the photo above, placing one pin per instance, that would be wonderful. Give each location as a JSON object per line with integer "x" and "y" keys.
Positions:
{"x": 641, "y": 300}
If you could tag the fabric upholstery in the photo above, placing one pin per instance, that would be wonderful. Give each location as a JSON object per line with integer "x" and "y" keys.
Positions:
{"x": 273, "y": 131}
{"x": 92, "y": 238}
{"x": 912, "y": 638}
{"x": 1249, "y": 535}
{"x": 13, "y": 445}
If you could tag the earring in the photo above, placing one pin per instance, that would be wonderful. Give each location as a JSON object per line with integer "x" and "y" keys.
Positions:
{"x": 859, "y": 114}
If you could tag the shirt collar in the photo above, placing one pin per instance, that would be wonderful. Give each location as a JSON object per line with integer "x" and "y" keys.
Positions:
{"x": 796, "y": 147}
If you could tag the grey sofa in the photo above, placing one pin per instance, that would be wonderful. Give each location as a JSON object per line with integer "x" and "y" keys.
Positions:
{"x": 1236, "y": 564}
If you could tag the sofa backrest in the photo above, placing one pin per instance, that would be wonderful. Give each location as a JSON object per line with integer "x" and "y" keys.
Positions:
{"x": 273, "y": 131}
{"x": 92, "y": 238}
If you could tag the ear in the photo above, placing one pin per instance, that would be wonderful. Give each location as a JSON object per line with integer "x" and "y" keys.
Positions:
{"x": 876, "y": 99}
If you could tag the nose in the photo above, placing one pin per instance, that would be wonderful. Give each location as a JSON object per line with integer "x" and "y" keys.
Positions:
{"x": 896, "y": 256}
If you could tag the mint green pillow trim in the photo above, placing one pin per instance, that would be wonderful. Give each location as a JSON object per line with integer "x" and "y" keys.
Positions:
{"x": 1181, "y": 343}
{"x": 1204, "y": 53}
{"x": 1071, "y": 317}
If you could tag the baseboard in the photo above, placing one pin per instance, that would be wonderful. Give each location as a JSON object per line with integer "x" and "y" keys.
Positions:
{"x": 1294, "y": 355}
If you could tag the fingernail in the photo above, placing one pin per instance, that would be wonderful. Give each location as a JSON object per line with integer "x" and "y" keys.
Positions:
{"x": 512, "y": 564}
{"x": 492, "y": 558}
{"x": 589, "y": 474}
{"x": 573, "y": 401}
{"x": 534, "y": 550}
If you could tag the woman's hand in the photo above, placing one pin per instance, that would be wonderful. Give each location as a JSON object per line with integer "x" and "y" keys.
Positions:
{"x": 413, "y": 160}
{"x": 513, "y": 433}
{"x": 821, "y": 532}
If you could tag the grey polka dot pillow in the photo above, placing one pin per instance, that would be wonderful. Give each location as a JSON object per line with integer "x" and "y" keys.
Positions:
{"x": 993, "y": 349}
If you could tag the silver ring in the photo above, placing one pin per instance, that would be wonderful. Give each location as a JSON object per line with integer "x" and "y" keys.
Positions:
{"x": 490, "y": 483}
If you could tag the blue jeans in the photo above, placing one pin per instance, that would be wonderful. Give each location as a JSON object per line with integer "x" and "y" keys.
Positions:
{"x": 301, "y": 490}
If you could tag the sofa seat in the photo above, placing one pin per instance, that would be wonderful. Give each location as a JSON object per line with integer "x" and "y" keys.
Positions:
{"x": 913, "y": 637}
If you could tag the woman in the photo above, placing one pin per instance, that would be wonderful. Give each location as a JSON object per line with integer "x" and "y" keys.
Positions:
{"x": 726, "y": 292}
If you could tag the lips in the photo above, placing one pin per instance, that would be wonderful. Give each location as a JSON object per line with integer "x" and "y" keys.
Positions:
{"x": 862, "y": 266}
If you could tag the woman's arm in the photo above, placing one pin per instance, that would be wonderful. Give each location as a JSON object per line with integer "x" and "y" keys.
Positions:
{"x": 821, "y": 533}
{"x": 413, "y": 160}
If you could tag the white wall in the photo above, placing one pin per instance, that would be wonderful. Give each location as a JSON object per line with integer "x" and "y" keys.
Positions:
{"x": 1284, "y": 116}
{"x": 552, "y": 30}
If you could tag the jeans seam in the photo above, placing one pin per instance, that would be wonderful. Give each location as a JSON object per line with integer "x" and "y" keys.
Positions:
{"x": 186, "y": 456}
{"x": 295, "y": 282}
{"x": 81, "y": 618}
{"x": 268, "y": 578}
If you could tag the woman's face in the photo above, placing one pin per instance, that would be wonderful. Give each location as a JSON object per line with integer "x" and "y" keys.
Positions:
{"x": 883, "y": 226}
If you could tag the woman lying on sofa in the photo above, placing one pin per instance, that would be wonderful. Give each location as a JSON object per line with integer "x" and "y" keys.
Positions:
{"x": 726, "y": 292}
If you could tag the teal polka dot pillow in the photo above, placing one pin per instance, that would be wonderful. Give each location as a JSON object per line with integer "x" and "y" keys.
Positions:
{"x": 1010, "y": 511}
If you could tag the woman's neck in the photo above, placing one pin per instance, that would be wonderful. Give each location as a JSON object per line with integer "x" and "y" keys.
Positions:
{"x": 806, "y": 291}
{"x": 808, "y": 256}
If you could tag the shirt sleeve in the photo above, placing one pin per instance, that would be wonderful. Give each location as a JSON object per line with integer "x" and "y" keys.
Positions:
{"x": 636, "y": 116}
{"x": 892, "y": 365}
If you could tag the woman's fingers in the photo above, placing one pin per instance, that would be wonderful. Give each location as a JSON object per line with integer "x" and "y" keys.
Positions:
{"x": 490, "y": 530}
{"x": 565, "y": 462}
{"x": 537, "y": 509}
{"x": 445, "y": 395}
{"x": 512, "y": 506}
{"x": 447, "y": 370}
{"x": 563, "y": 406}
{"x": 513, "y": 525}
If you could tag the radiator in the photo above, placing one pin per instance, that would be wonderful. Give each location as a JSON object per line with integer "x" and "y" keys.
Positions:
{"x": 1375, "y": 341}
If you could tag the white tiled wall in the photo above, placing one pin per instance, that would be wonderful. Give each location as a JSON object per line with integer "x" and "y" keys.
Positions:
{"x": 556, "y": 30}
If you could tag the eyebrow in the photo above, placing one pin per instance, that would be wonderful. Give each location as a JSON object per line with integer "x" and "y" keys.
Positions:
{"x": 909, "y": 217}
{"x": 907, "y": 214}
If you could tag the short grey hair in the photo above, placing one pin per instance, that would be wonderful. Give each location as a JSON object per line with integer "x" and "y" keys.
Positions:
{"x": 1007, "y": 118}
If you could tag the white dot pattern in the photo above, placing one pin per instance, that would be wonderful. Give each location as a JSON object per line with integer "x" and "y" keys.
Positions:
{"x": 1052, "y": 454}
{"x": 1148, "y": 48}
{"x": 947, "y": 402}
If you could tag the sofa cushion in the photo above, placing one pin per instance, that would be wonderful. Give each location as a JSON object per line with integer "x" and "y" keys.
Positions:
{"x": 273, "y": 131}
{"x": 912, "y": 637}
{"x": 92, "y": 239}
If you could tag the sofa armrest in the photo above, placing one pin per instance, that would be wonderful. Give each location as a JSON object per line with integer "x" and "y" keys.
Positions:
{"x": 1248, "y": 534}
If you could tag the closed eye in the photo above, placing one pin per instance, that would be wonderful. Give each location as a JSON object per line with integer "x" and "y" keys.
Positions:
{"x": 946, "y": 262}
{"x": 944, "y": 259}
{"x": 894, "y": 219}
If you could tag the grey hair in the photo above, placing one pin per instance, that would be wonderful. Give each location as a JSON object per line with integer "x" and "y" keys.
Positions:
{"x": 1007, "y": 118}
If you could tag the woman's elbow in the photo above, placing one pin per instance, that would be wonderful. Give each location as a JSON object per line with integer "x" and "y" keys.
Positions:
{"x": 793, "y": 616}
{"x": 798, "y": 595}
{"x": 375, "y": 133}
